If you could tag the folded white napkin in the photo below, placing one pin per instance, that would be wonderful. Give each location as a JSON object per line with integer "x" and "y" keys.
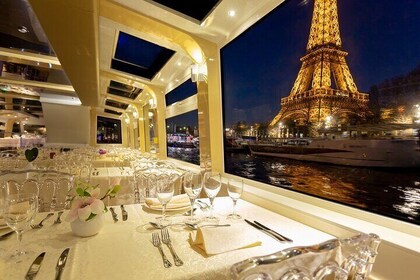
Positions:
{"x": 178, "y": 201}
{"x": 216, "y": 240}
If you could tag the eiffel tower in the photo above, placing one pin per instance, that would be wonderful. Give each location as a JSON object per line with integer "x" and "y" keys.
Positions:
{"x": 324, "y": 87}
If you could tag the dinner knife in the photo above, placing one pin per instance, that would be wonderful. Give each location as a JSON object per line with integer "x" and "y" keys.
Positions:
{"x": 273, "y": 232}
{"x": 61, "y": 263}
{"x": 124, "y": 213}
{"x": 3, "y": 236}
{"x": 265, "y": 231}
{"x": 35, "y": 266}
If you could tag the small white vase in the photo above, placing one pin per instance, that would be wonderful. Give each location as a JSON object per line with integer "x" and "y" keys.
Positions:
{"x": 87, "y": 228}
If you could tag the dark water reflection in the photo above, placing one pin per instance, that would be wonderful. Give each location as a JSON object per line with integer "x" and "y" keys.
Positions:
{"x": 389, "y": 192}
{"x": 191, "y": 155}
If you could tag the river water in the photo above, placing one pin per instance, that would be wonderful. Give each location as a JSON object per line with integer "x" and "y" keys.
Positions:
{"x": 390, "y": 192}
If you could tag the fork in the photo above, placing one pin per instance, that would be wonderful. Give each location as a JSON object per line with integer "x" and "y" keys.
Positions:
{"x": 40, "y": 225}
{"x": 167, "y": 241}
{"x": 156, "y": 243}
{"x": 58, "y": 220}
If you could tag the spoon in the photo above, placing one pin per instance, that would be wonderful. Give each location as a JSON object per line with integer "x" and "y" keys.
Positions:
{"x": 196, "y": 226}
{"x": 156, "y": 225}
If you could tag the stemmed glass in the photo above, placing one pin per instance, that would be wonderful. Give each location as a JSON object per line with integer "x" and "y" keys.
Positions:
{"x": 165, "y": 187}
{"x": 212, "y": 183}
{"x": 235, "y": 188}
{"x": 19, "y": 212}
{"x": 192, "y": 186}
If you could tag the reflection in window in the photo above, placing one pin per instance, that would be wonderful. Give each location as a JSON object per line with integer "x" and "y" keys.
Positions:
{"x": 182, "y": 137}
{"x": 108, "y": 131}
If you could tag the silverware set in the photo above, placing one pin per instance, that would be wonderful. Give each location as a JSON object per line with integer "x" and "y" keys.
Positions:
{"x": 114, "y": 215}
{"x": 36, "y": 265}
{"x": 40, "y": 224}
{"x": 269, "y": 231}
{"x": 124, "y": 213}
{"x": 58, "y": 220}
{"x": 167, "y": 241}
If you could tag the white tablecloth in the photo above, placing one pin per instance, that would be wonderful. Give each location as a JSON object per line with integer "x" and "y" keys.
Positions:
{"x": 123, "y": 250}
{"x": 109, "y": 176}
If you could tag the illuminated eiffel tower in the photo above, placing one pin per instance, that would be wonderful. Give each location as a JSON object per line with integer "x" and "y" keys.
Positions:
{"x": 315, "y": 96}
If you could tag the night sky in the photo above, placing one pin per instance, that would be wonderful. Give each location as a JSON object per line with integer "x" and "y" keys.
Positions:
{"x": 260, "y": 66}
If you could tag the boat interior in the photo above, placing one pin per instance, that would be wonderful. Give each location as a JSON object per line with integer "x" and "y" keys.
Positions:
{"x": 67, "y": 64}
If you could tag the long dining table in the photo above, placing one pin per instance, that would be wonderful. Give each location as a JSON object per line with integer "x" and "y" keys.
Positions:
{"x": 124, "y": 249}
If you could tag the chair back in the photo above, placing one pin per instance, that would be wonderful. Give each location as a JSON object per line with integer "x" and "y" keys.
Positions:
{"x": 341, "y": 259}
{"x": 53, "y": 188}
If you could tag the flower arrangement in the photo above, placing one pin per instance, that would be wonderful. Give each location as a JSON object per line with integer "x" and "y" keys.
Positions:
{"x": 87, "y": 204}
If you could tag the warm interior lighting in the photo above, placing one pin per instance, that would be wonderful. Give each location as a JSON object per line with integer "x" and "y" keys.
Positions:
{"x": 199, "y": 72}
{"x": 232, "y": 13}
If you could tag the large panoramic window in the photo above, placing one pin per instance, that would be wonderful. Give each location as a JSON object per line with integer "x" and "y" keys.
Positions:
{"x": 108, "y": 131}
{"x": 182, "y": 139}
{"x": 323, "y": 98}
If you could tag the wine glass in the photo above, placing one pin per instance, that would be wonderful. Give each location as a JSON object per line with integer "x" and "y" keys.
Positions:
{"x": 212, "y": 183}
{"x": 235, "y": 188}
{"x": 192, "y": 187}
{"x": 165, "y": 187}
{"x": 19, "y": 211}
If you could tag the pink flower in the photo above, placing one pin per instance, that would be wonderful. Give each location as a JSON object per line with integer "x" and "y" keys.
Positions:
{"x": 83, "y": 206}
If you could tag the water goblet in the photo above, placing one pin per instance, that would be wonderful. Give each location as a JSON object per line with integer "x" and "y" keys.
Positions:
{"x": 212, "y": 183}
{"x": 19, "y": 211}
{"x": 235, "y": 188}
{"x": 192, "y": 187}
{"x": 165, "y": 188}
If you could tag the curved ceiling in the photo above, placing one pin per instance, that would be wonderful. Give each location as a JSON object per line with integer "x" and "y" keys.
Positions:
{"x": 88, "y": 44}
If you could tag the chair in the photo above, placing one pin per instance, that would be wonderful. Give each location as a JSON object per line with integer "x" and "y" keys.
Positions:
{"x": 347, "y": 258}
{"x": 54, "y": 189}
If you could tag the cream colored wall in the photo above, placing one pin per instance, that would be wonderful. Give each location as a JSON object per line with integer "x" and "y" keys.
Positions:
{"x": 66, "y": 123}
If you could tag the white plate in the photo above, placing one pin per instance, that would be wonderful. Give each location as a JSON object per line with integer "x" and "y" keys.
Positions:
{"x": 181, "y": 209}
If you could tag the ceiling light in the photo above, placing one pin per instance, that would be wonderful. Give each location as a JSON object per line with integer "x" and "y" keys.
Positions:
{"x": 23, "y": 29}
{"x": 162, "y": 79}
{"x": 232, "y": 13}
{"x": 198, "y": 72}
{"x": 179, "y": 64}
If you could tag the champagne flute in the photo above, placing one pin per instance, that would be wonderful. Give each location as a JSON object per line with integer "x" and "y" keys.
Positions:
{"x": 212, "y": 183}
{"x": 165, "y": 187}
{"x": 235, "y": 188}
{"x": 192, "y": 186}
{"x": 19, "y": 212}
